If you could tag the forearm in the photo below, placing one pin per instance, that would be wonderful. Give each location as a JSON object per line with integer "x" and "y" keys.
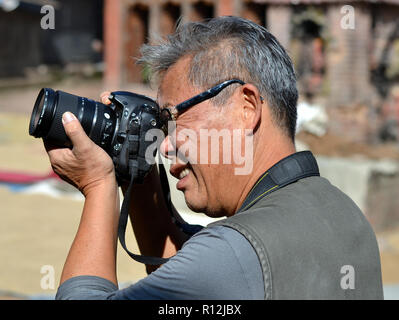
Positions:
{"x": 93, "y": 251}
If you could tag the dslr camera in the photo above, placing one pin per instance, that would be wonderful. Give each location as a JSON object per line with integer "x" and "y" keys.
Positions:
{"x": 119, "y": 128}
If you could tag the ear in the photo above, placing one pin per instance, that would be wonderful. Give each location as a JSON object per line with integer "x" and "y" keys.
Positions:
{"x": 252, "y": 106}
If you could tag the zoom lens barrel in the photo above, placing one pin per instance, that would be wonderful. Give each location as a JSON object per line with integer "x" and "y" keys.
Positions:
{"x": 98, "y": 120}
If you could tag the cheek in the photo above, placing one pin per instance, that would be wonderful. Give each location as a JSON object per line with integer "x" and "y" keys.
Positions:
{"x": 202, "y": 188}
{"x": 187, "y": 145}
{"x": 206, "y": 142}
{"x": 210, "y": 188}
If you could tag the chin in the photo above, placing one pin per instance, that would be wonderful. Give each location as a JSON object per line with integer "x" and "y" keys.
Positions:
{"x": 195, "y": 206}
{"x": 203, "y": 207}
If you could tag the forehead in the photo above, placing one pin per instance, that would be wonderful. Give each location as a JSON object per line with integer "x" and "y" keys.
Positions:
{"x": 174, "y": 86}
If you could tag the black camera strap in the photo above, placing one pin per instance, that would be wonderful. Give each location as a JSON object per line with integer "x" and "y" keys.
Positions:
{"x": 189, "y": 229}
{"x": 122, "y": 228}
{"x": 288, "y": 170}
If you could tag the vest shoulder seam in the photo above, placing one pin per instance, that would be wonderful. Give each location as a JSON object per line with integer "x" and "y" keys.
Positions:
{"x": 253, "y": 239}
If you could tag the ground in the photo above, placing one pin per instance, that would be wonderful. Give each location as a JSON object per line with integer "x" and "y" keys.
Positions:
{"x": 37, "y": 230}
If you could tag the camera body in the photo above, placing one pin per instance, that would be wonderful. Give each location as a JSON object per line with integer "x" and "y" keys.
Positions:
{"x": 120, "y": 128}
{"x": 135, "y": 114}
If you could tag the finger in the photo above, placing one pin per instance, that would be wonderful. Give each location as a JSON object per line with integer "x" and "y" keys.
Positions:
{"x": 80, "y": 141}
{"x": 54, "y": 152}
{"x": 104, "y": 97}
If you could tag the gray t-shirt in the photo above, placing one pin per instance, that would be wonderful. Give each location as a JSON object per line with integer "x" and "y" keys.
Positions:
{"x": 216, "y": 263}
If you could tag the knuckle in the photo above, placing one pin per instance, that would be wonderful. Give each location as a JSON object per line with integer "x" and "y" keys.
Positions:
{"x": 85, "y": 149}
{"x": 59, "y": 157}
{"x": 53, "y": 156}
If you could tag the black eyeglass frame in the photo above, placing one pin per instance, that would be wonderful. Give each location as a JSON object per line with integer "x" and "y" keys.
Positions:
{"x": 170, "y": 113}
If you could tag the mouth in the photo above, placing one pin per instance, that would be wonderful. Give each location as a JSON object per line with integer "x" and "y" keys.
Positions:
{"x": 182, "y": 173}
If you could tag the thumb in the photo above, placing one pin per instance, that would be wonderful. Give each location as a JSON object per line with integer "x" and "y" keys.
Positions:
{"x": 104, "y": 97}
{"x": 75, "y": 132}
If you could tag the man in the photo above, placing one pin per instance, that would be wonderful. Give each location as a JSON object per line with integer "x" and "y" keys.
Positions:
{"x": 288, "y": 233}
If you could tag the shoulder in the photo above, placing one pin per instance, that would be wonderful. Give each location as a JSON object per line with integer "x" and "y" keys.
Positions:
{"x": 216, "y": 263}
{"x": 311, "y": 192}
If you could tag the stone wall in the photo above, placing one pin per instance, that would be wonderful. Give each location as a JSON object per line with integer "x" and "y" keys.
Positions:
{"x": 371, "y": 184}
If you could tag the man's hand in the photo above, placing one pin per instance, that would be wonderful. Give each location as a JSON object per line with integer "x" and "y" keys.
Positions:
{"x": 86, "y": 165}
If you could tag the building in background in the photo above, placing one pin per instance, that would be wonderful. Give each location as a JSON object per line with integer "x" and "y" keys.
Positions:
{"x": 341, "y": 64}
{"x": 348, "y": 65}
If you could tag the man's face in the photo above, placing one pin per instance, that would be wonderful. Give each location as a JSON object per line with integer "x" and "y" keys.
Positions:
{"x": 207, "y": 184}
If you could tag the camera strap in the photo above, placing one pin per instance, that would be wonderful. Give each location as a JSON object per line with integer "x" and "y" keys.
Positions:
{"x": 123, "y": 219}
{"x": 188, "y": 229}
{"x": 122, "y": 228}
{"x": 288, "y": 170}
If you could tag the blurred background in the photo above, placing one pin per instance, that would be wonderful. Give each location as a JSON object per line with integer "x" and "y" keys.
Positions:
{"x": 346, "y": 55}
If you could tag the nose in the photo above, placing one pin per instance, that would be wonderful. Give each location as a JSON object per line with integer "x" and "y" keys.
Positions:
{"x": 167, "y": 148}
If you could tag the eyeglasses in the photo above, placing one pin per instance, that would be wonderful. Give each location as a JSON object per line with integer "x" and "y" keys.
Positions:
{"x": 170, "y": 113}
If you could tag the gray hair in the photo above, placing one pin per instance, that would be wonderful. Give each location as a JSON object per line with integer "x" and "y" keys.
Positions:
{"x": 224, "y": 48}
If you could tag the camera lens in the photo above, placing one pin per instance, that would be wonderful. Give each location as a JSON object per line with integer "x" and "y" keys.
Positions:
{"x": 98, "y": 120}
{"x": 42, "y": 113}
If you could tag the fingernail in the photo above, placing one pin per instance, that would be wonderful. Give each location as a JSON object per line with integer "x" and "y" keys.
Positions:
{"x": 68, "y": 117}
